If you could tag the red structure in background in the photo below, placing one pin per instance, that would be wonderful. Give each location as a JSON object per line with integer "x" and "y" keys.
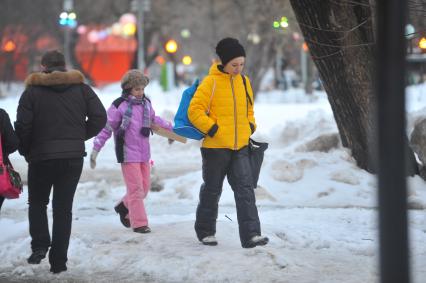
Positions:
{"x": 105, "y": 60}
{"x": 12, "y": 64}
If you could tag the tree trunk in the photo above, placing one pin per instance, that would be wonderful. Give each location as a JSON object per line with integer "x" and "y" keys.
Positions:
{"x": 340, "y": 38}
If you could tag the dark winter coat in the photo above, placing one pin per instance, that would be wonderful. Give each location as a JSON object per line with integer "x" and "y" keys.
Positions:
{"x": 9, "y": 139}
{"x": 56, "y": 113}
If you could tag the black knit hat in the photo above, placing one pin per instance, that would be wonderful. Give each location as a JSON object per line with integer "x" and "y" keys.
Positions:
{"x": 53, "y": 59}
{"x": 228, "y": 49}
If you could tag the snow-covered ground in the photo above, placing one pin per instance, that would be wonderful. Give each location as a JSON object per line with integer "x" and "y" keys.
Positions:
{"x": 318, "y": 209}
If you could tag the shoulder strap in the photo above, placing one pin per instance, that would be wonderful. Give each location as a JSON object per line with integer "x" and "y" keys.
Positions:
{"x": 1, "y": 152}
{"x": 245, "y": 87}
{"x": 211, "y": 97}
{"x": 118, "y": 101}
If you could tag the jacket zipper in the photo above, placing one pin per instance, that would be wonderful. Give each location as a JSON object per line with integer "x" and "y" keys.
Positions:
{"x": 235, "y": 114}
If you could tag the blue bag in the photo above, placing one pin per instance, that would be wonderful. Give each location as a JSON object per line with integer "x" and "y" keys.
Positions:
{"x": 183, "y": 126}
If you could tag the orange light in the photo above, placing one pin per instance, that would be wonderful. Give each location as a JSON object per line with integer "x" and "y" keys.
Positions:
{"x": 305, "y": 47}
{"x": 171, "y": 46}
{"x": 422, "y": 43}
{"x": 160, "y": 60}
{"x": 9, "y": 46}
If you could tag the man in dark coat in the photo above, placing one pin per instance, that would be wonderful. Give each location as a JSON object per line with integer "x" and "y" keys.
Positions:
{"x": 9, "y": 140}
{"x": 56, "y": 113}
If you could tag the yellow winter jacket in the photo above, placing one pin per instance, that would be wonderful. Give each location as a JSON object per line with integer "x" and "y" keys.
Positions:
{"x": 223, "y": 96}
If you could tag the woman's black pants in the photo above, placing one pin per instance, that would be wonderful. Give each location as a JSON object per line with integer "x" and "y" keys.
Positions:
{"x": 235, "y": 165}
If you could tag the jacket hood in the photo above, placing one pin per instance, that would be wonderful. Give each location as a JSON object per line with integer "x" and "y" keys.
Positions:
{"x": 215, "y": 71}
{"x": 55, "y": 78}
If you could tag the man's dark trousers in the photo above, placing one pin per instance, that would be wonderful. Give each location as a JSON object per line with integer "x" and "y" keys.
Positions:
{"x": 63, "y": 175}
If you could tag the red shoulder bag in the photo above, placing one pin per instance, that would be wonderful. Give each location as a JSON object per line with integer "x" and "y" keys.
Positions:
{"x": 10, "y": 180}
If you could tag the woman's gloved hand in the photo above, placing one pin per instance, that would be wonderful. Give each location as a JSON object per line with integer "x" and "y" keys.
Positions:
{"x": 213, "y": 130}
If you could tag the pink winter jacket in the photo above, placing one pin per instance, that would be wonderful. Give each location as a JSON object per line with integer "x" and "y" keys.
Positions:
{"x": 136, "y": 146}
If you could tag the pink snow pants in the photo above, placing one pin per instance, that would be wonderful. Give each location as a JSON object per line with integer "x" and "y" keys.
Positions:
{"x": 137, "y": 179}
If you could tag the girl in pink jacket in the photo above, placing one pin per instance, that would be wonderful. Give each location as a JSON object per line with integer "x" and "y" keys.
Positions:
{"x": 130, "y": 118}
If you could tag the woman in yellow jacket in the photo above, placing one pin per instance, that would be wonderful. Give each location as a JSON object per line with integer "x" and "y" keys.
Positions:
{"x": 222, "y": 107}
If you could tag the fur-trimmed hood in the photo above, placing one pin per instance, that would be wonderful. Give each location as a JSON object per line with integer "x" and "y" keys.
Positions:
{"x": 54, "y": 78}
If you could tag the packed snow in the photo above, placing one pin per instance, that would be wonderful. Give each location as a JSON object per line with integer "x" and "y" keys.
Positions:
{"x": 317, "y": 207}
